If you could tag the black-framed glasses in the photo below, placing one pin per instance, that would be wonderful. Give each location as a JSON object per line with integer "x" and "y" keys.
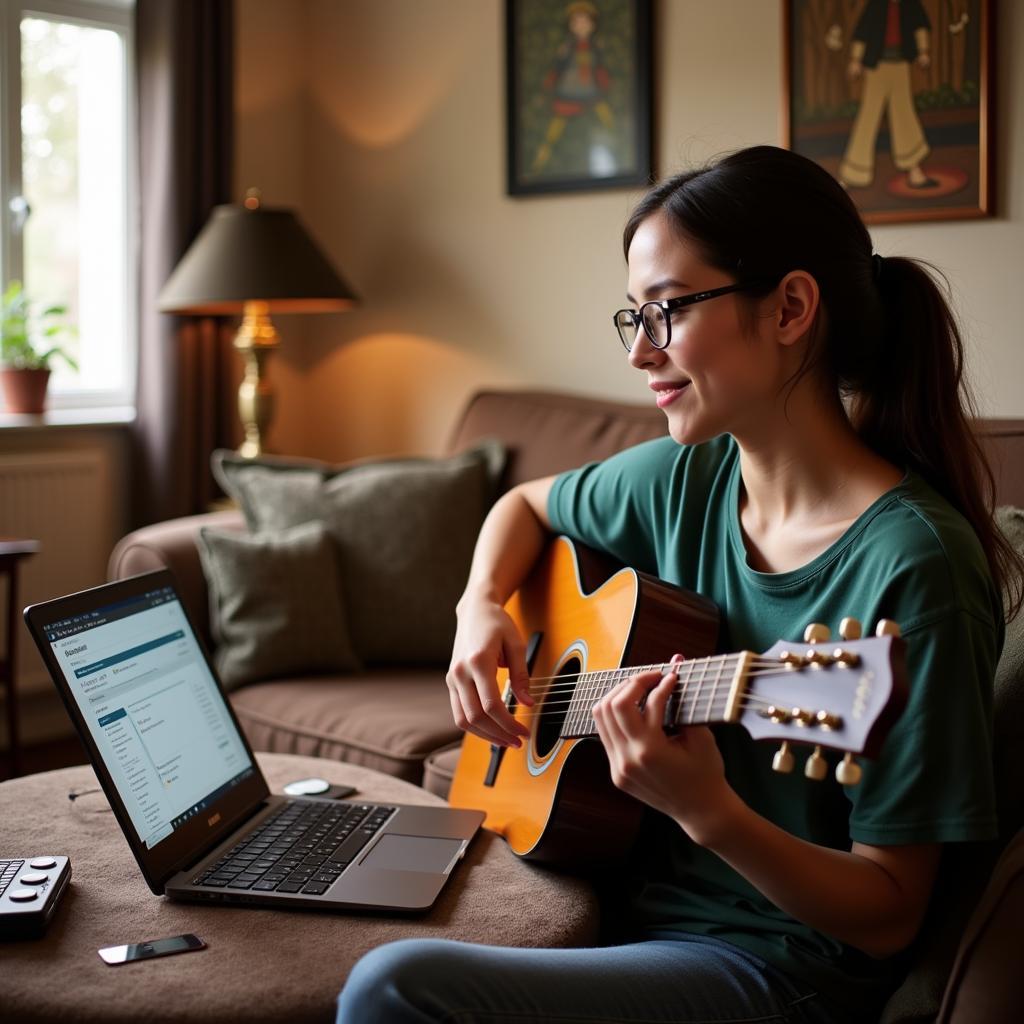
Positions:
{"x": 656, "y": 316}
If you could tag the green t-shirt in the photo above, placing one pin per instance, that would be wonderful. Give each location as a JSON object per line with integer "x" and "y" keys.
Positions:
{"x": 673, "y": 511}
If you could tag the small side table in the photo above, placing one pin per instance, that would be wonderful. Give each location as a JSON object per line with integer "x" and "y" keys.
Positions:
{"x": 12, "y": 551}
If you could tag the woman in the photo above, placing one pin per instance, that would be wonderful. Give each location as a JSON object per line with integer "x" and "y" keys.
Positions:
{"x": 819, "y": 465}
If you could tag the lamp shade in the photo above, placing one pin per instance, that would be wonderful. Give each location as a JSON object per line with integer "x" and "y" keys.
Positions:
{"x": 246, "y": 255}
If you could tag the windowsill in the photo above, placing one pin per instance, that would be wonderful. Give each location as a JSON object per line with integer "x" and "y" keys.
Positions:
{"x": 68, "y": 418}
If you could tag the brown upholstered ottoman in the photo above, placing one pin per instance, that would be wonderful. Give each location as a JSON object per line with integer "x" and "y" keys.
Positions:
{"x": 261, "y": 965}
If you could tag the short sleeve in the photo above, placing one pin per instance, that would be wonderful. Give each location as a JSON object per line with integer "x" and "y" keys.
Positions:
{"x": 933, "y": 779}
{"x": 618, "y": 505}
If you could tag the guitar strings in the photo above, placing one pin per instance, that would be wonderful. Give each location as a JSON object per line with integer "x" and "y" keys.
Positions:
{"x": 722, "y": 699}
{"x": 656, "y": 667}
{"x": 762, "y": 668}
{"x": 716, "y": 701}
{"x": 696, "y": 687}
{"x": 713, "y": 671}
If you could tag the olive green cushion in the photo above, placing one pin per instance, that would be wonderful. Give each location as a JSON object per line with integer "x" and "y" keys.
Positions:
{"x": 404, "y": 531}
{"x": 275, "y": 604}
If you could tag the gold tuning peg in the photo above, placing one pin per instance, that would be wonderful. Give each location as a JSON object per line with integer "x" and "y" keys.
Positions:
{"x": 849, "y": 629}
{"x": 816, "y": 767}
{"x": 848, "y": 772}
{"x": 886, "y": 627}
{"x": 782, "y": 762}
{"x": 816, "y": 633}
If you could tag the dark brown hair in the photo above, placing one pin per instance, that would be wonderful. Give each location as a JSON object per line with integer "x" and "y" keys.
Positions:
{"x": 889, "y": 338}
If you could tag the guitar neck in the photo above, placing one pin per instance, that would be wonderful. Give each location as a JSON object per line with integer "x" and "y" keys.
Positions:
{"x": 707, "y": 692}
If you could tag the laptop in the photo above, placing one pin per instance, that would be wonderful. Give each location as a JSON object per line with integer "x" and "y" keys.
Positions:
{"x": 187, "y": 792}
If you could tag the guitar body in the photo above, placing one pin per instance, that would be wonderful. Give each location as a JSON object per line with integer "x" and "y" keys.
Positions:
{"x": 553, "y": 799}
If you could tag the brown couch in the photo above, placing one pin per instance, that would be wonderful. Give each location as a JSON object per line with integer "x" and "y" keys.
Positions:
{"x": 400, "y": 721}
{"x": 393, "y": 720}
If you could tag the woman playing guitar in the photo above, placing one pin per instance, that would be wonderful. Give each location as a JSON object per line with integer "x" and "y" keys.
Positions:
{"x": 820, "y": 464}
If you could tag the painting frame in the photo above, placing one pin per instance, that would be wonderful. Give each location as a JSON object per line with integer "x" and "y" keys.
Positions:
{"x": 951, "y": 96}
{"x": 564, "y": 136}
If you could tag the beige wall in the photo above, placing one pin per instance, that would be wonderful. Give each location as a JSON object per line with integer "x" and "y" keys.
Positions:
{"x": 382, "y": 121}
{"x": 66, "y": 561}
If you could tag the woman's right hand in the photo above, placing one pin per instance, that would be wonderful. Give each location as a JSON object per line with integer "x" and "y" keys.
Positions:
{"x": 485, "y": 640}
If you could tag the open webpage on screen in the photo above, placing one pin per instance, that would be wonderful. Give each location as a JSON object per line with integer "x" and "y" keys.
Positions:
{"x": 153, "y": 708}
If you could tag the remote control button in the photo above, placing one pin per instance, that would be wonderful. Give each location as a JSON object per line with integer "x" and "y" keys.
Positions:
{"x": 42, "y": 863}
{"x": 24, "y": 895}
{"x": 34, "y": 878}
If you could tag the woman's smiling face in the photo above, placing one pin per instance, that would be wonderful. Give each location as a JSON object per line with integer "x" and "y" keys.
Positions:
{"x": 717, "y": 373}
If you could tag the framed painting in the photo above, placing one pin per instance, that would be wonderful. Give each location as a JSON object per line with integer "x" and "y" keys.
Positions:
{"x": 894, "y": 98}
{"x": 578, "y": 94}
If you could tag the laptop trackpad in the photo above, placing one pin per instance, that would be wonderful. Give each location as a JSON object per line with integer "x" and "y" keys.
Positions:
{"x": 412, "y": 853}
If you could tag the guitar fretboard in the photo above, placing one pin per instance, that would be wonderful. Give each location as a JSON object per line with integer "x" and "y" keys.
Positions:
{"x": 701, "y": 694}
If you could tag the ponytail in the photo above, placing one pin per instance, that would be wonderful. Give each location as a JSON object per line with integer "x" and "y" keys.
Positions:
{"x": 906, "y": 415}
{"x": 892, "y": 346}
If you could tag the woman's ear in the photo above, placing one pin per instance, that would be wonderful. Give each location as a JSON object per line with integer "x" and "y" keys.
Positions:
{"x": 797, "y": 308}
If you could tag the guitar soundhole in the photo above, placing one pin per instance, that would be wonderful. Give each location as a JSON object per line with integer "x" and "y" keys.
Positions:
{"x": 555, "y": 706}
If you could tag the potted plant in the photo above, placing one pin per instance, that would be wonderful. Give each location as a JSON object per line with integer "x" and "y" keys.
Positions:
{"x": 28, "y": 342}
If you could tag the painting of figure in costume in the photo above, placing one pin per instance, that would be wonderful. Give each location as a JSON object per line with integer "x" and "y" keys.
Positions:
{"x": 893, "y": 97}
{"x": 578, "y": 94}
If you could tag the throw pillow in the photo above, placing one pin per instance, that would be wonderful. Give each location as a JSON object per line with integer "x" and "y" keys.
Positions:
{"x": 275, "y": 604}
{"x": 404, "y": 528}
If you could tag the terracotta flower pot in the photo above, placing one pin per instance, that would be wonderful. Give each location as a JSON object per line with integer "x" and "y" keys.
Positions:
{"x": 24, "y": 390}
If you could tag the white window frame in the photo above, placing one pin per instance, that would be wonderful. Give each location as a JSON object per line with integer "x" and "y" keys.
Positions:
{"x": 117, "y": 16}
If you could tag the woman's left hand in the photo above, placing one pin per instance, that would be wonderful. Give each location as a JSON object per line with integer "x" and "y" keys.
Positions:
{"x": 682, "y": 775}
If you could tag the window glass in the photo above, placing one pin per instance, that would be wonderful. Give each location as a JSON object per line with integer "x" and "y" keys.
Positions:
{"x": 74, "y": 135}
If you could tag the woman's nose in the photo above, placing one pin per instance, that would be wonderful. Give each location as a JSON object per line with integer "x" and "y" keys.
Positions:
{"x": 643, "y": 354}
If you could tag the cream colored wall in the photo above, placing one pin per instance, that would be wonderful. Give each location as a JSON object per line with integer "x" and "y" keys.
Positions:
{"x": 382, "y": 121}
{"x": 41, "y": 715}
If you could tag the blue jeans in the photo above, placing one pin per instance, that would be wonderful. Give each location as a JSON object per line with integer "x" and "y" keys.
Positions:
{"x": 685, "y": 980}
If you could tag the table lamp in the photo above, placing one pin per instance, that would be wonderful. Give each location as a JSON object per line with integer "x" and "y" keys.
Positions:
{"x": 254, "y": 260}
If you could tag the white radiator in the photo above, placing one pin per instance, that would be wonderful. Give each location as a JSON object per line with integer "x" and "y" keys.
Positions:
{"x": 66, "y": 501}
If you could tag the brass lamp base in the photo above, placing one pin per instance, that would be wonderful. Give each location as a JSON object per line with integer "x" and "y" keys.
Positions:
{"x": 255, "y": 340}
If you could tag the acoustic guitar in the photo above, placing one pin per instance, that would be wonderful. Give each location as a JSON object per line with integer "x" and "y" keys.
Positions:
{"x": 553, "y": 800}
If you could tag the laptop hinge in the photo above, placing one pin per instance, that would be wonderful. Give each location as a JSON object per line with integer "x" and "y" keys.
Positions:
{"x": 228, "y": 830}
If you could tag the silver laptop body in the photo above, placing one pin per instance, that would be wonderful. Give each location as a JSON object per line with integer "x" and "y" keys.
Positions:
{"x": 187, "y": 792}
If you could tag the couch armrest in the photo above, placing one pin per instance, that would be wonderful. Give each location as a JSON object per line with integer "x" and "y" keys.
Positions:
{"x": 985, "y": 983}
{"x": 172, "y": 544}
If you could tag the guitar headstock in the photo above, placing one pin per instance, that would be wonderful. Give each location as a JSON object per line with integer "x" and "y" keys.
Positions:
{"x": 842, "y": 694}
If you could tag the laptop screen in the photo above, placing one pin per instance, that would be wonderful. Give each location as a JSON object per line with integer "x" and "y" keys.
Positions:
{"x": 152, "y": 707}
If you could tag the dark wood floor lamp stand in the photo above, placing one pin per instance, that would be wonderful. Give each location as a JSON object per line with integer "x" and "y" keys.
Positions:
{"x": 11, "y": 553}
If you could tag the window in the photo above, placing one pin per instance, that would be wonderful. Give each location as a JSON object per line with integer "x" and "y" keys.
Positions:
{"x": 66, "y": 171}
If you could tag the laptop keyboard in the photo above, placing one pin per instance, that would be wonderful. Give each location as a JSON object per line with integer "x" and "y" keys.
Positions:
{"x": 304, "y": 847}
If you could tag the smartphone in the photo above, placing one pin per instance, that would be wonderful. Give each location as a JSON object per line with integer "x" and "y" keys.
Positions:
{"x": 318, "y": 787}
{"x": 115, "y": 955}
{"x": 337, "y": 792}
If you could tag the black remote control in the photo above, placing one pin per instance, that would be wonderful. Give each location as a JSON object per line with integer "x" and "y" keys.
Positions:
{"x": 30, "y": 888}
